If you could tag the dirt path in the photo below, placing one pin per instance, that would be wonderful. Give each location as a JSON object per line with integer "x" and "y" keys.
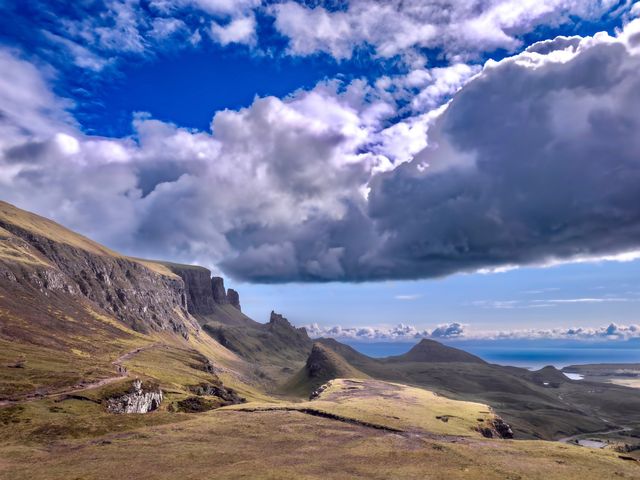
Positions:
{"x": 117, "y": 363}
{"x": 583, "y": 436}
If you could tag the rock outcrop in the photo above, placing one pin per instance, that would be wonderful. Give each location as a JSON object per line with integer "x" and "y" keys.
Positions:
{"x": 219, "y": 293}
{"x": 233, "y": 298}
{"x": 278, "y": 323}
{"x": 228, "y": 396}
{"x": 497, "y": 429}
{"x": 319, "y": 391}
{"x": 140, "y": 399}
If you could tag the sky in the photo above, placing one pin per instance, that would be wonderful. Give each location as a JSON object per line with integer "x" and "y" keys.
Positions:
{"x": 371, "y": 169}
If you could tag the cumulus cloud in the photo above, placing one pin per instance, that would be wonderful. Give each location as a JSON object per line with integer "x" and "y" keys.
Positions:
{"x": 456, "y": 331}
{"x": 97, "y": 33}
{"x": 534, "y": 160}
{"x": 452, "y": 330}
{"x": 399, "y": 333}
{"x": 612, "y": 331}
{"x": 238, "y": 30}
{"x": 461, "y": 28}
{"x": 264, "y": 173}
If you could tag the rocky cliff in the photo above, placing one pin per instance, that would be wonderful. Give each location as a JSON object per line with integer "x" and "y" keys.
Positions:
{"x": 197, "y": 285}
{"x": 139, "y": 297}
{"x": 204, "y": 292}
{"x": 219, "y": 293}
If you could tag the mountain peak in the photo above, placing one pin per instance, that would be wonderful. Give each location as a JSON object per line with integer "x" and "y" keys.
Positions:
{"x": 432, "y": 351}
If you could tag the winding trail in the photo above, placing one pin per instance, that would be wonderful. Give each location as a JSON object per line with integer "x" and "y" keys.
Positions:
{"x": 79, "y": 387}
{"x": 583, "y": 436}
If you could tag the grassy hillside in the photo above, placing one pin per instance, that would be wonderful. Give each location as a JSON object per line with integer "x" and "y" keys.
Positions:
{"x": 70, "y": 309}
{"x": 276, "y": 348}
{"x": 390, "y": 406}
{"x": 257, "y": 442}
{"x": 13, "y": 217}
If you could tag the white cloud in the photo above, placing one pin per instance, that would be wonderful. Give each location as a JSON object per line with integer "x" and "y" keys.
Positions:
{"x": 97, "y": 33}
{"x": 609, "y": 332}
{"x": 27, "y": 103}
{"x": 550, "y": 302}
{"x": 409, "y": 333}
{"x": 265, "y": 170}
{"x": 461, "y": 28}
{"x": 238, "y": 30}
{"x": 163, "y": 28}
{"x": 82, "y": 56}
{"x": 221, "y": 7}
{"x": 408, "y": 297}
{"x": 400, "y": 332}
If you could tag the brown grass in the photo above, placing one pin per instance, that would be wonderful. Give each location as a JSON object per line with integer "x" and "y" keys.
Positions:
{"x": 279, "y": 445}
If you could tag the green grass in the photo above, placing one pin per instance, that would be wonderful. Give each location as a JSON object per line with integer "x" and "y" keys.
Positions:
{"x": 394, "y": 406}
{"x": 49, "y": 421}
{"x": 45, "y": 369}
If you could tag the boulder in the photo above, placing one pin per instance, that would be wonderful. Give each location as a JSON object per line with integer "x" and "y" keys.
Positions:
{"x": 139, "y": 399}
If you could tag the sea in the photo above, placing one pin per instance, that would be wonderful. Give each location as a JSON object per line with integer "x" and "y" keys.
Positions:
{"x": 531, "y": 354}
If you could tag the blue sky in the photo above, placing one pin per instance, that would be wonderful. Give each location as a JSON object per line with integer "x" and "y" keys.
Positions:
{"x": 348, "y": 163}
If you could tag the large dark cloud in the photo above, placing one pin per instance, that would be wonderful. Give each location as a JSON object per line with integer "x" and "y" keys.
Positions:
{"x": 533, "y": 161}
{"x": 537, "y": 160}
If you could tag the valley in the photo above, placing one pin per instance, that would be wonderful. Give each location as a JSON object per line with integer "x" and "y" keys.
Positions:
{"x": 87, "y": 333}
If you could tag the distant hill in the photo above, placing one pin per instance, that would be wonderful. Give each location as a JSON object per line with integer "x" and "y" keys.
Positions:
{"x": 431, "y": 351}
